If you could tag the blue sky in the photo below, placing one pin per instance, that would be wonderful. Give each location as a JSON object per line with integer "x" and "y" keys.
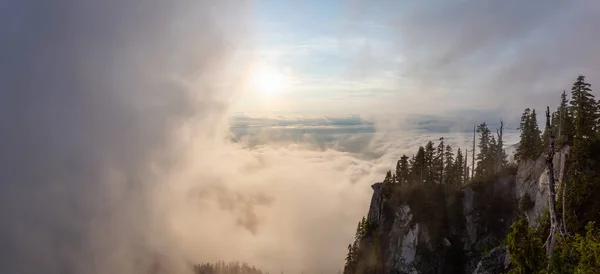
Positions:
{"x": 324, "y": 51}
{"x": 417, "y": 57}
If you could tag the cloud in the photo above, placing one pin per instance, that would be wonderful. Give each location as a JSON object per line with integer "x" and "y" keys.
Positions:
{"x": 476, "y": 55}
{"x": 117, "y": 150}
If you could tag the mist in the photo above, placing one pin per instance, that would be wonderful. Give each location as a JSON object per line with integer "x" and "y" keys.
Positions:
{"x": 116, "y": 152}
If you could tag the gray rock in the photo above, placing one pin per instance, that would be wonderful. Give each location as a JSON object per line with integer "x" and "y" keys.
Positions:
{"x": 532, "y": 178}
{"x": 496, "y": 262}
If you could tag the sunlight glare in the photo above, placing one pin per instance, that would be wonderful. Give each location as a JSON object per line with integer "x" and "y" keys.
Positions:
{"x": 268, "y": 81}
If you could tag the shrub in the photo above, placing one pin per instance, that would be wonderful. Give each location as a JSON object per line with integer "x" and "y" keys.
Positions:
{"x": 526, "y": 203}
{"x": 525, "y": 248}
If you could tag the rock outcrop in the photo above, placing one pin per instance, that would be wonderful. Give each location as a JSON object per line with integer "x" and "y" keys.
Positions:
{"x": 532, "y": 179}
{"x": 429, "y": 230}
{"x": 497, "y": 261}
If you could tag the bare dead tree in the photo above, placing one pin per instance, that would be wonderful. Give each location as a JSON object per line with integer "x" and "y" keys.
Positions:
{"x": 500, "y": 145}
{"x": 465, "y": 171}
{"x": 551, "y": 241}
{"x": 473, "y": 153}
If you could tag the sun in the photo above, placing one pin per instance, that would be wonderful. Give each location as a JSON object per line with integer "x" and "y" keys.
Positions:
{"x": 268, "y": 81}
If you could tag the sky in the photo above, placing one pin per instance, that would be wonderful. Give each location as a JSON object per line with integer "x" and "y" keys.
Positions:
{"x": 408, "y": 57}
{"x": 138, "y": 132}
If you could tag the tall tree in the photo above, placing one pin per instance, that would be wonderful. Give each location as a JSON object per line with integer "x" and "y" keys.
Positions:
{"x": 552, "y": 196}
{"x": 459, "y": 167}
{"x": 585, "y": 108}
{"x": 565, "y": 131}
{"x": 419, "y": 166}
{"x": 583, "y": 175}
{"x": 449, "y": 171}
{"x": 439, "y": 162}
{"x": 388, "y": 177}
{"x": 430, "y": 162}
{"x": 500, "y": 150}
{"x": 530, "y": 143}
{"x": 473, "y": 156}
{"x": 483, "y": 157}
{"x": 536, "y": 135}
{"x": 402, "y": 170}
{"x": 524, "y": 147}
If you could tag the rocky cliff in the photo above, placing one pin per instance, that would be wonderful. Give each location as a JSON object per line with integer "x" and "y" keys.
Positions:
{"x": 430, "y": 229}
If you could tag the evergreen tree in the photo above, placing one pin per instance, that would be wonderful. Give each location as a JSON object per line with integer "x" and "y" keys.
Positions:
{"x": 584, "y": 180}
{"x": 402, "y": 170}
{"x": 439, "y": 162}
{"x": 522, "y": 152}
{"x": 459, "y": 168}
{"x": 530, "y": 145}
{"x": 429, "y": 163}
{"x": 585, "y": 107}
{"x": 536, "y": 136}
{"x": 388, "y": 178}
{"x": 419, "y": 166}
{"x": 449, "y": 174}
{"x": 483, "y": 157}
{"x": 565, "y": 129}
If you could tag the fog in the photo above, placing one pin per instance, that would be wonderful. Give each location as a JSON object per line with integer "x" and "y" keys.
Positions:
{"x": 116, "y": 150}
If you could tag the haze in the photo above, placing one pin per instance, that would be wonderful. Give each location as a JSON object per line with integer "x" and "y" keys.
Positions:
{"x": 187, "y": 131}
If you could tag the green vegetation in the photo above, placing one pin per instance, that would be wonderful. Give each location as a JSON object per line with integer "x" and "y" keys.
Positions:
{"x": 526, "y": 203}
{"x": 430, "y": 181}
{"x": 576, "y": 123}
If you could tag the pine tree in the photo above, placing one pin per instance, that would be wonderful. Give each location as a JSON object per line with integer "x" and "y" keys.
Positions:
{"x": 565, "y": 129}
{"x": 429, "y": 163}
{"x": 439, "y": 162}
{"x": 449, "y": 174}
{"x": 530, "y": 145}
{"x": 459, "y": 168}
{"x": 402, "y": 170}
{"x": 585, "y": 107}
{"x": 419, "y": 166}
{"x": 584, "y": 181}
{"x": 522, "y": 152}
{"x": 536, "y": 136}
{"x": 500, "y": 153}
{"x": 483, "y": 164}
{"x": 388, "y": 177}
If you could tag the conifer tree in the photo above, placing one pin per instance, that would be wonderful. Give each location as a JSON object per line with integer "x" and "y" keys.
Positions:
{"x": 429, "y": 162}
{"x": 523, "y": 149}
{"x": 388, "y": 177}
{"x": 584, "y": 180}
{"x": 402, "y": 170}
{"x": 483, "y": 164}
{"x": 449, "y": 174}
{"x": 459, "y": 168}
{"x": 419, "y": 166}
{"x": 536, "y": 136}
{"x": 530, "y": 145}
{"x": 565, "y": 129}
{"x": 500, "y": 153}
{"x": 585, "y": 107}
{"x": 439, "y": 162}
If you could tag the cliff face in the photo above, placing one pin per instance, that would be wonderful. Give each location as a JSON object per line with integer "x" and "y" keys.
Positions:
{"x": 430, "y": 229}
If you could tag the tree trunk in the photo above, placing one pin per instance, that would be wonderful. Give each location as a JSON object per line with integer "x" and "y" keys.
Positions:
{"x": 473, "y": 153}
{"x": 552, "y": 192}
{"x": 499, "y": 156}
